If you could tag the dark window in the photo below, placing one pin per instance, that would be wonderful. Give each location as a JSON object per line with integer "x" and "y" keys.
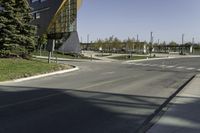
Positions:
{"x": 36, "y": 15}
{"x": 32, "y": 1}
{"x": 42, "y": 1}
{"x": 1, "y": 8}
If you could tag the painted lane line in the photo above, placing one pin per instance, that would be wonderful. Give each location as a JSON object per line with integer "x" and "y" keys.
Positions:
{"x": 162, "y": 65}
{"x": 181, "y": 67}
{"x": 170, "y": 66}
{"x": 190, "y": 68}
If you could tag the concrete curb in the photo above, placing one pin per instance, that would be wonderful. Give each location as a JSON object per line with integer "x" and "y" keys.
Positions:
{"x": 164, "y": 58}
{"x": 41, "y": 75}
{"x": 132, "y": 61}
{"x": 72, "y": 60}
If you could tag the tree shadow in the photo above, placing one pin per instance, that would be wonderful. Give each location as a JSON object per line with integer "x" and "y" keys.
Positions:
{"x": 43, "y": 110}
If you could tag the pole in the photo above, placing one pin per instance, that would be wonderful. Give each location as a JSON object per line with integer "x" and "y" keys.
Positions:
{"x": 88, "y": 39}
{"x": 137, "y": 38}
{"x": 151, "y": 43}
{"x": 183, "y": 35}
{"x": 49, "y": 57}
{"x": 183, "y": 38}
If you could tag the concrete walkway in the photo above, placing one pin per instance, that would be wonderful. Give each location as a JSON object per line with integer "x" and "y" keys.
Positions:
{"x": 95, "y": 55}
{"x": 184, "y": 114}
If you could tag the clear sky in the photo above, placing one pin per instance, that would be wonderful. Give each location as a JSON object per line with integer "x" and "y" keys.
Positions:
{"x": 167, "y": 19}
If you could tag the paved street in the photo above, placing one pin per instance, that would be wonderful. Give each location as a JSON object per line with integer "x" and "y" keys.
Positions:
{"x": 99, "y": 98}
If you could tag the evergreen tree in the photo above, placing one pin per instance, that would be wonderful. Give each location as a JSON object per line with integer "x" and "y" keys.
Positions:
{"x": 16, "y": 33}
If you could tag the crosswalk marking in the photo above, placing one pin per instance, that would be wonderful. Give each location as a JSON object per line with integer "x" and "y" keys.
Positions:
{"x": 165, "y": 66}
{"x": 181, "y": 67}
{"x": 190, "y": 68}
{"x": 170, "y": 66}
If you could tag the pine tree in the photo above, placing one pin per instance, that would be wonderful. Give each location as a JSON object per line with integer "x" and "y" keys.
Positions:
{"x": 16, "y": 33}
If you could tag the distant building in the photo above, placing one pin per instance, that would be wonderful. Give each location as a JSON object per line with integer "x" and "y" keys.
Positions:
{"x": 57, "y": 19}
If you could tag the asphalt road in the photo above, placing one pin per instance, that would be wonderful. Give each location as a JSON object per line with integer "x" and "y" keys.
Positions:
{"x": 99, "y": 98}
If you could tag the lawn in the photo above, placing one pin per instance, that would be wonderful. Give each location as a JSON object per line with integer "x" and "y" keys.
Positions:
{"x": 134, "y": 57}
{"x": 18, "y": 68}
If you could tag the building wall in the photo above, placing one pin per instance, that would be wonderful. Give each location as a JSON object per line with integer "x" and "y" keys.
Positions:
{"x": 46, "y": 9}
{"x": 50, "y": 21}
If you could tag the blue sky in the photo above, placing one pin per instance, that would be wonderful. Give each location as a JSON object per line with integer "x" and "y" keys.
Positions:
{"x": 167, "y": 19}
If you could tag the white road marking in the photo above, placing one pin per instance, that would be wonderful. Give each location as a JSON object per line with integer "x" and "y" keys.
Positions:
{"x": 165, "y": 66}
{"x": 190, "y": 68}
{"x": 170, "y": 66}
{"x": 153, "y": 65}
{"x": 181, "y": 67}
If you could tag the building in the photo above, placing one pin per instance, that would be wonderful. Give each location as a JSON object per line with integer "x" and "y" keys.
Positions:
{"x": 57, "y": 19}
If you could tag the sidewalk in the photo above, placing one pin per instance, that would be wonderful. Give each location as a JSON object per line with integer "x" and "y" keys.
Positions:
{"x": 72, "y": 60}
{"x": 184, "y": 115}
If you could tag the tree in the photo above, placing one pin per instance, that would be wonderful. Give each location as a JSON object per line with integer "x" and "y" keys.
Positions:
{"x": 173, "y": 45}
{"x": 130, "y": 43}
{"x": 17, "y": 36}
{"x": 42, "y": 41}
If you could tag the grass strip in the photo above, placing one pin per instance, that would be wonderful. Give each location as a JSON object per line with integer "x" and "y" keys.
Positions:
{"x": 19, "y": 68}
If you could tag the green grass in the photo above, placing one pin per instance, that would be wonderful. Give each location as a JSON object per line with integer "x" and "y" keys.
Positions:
{"x": 125, "y": 57}
{"x": 19, "y": 68}
{"x": 61, "y": 55}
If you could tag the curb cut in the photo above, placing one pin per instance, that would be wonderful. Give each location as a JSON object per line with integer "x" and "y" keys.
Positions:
{"x": 152, "y": 119}
{"x": 42, "y": 75}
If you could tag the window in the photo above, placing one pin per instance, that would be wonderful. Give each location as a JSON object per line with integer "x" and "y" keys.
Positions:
{"x": 42, "y": 1}
{"x": 32, "y": 1}
{"x": 36, "y": 15}
{"x": 1, "y": 8}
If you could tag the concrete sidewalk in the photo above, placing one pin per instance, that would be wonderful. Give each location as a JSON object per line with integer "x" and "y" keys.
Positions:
{"x": 184, "y": 114}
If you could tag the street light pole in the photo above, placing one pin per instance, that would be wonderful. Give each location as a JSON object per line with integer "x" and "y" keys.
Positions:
{"x": 183, "y": 35}
{"x": 181, "y": 47}
{"x": 151, "y": 43}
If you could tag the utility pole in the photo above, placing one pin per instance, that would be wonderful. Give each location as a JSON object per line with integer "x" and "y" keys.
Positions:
{"x": 151, "y": 43}
{"x": 88, "y": 39}
{"x": 137, "y": 38}
{"x": 181, "y": 47}
{"x": 151, "y": 37}
{"x": 183, "y": 35}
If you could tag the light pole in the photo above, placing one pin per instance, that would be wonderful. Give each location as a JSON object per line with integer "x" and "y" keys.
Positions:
{"x": 183, "y": 36}
{"x": 151, "y": 43}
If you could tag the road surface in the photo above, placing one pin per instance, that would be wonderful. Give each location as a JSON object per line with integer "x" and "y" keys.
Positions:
{"x": 99, "y": 98}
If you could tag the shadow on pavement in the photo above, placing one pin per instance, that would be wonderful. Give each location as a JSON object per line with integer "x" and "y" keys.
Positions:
{"x": 42, "y": 110}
